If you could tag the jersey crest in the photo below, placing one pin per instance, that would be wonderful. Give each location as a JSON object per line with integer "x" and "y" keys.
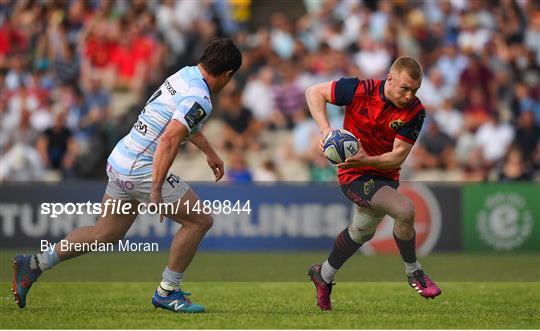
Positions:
{"x": 195, "y": 115}
{"x": 396, "y": 124}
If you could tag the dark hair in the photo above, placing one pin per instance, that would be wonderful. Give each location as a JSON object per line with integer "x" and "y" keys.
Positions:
{"x": 221, "y": 55}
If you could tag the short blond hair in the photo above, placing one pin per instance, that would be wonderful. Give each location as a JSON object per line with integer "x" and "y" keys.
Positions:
{"x": 408, "y": 63}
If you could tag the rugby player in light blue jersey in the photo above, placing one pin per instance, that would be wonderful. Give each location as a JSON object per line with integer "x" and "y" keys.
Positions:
{"x": 138, "y": 170}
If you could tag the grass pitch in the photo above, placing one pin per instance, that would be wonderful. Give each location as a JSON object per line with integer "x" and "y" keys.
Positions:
{"x": 271, "y": 291}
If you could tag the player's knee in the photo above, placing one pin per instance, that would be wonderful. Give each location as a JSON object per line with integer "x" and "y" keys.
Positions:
{"x": 205, "y": 222}
{"x": 361, "y": 236}
{"x": 406, "y": 213}
{"x": 363, "y": 226}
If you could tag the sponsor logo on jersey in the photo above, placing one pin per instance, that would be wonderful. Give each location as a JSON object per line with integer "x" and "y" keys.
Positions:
{"x": 169, "y": 87}
{"x": 195, "y": 115}
{"x": 396, "y": 124}
{"x": 505, "y": 221}
{"x": 428, "y": 223}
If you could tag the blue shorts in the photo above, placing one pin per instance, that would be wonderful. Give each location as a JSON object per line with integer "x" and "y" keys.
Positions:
{"x": 362, "y": 189}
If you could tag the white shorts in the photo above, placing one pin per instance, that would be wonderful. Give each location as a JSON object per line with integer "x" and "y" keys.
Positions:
{"x": 124, "y": 187}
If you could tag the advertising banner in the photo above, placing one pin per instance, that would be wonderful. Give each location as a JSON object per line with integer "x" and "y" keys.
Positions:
{"x": 251, "y": 217}
{"x": 501, "y": 217}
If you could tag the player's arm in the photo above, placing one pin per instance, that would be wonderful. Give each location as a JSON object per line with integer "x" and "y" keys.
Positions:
{"x": 339, "y": 93}
{"x": 214, "y": 161}
{"x": 166, "y": 150}
{"x": 386, "y": 161}
{"x": 403, "y": 143}
{"x": 316, "y": 97}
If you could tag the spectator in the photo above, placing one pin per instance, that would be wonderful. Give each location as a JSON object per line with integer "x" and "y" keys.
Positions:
{"x": 451, "y": 65}
{"x": 493, "y": 139}
{"x": 514, "y": 166}
{"x": 240, "y": 131}
{"x": 238, "y": 169}
{"x": 21, "y": 163}
{"x": 57, "y": 147}
{"x": 476, "y": 78}
{"x": 99, "y": 61}
{"x": 95, "y": 109}
{"x": 433, "y": 92}
{"x": 527, "y": 135}
{"x": 476, "y": 110}
{"x": 266, "y": 172}
{"x": 99, "y": 44}
{"x": 288, "y": 96}
{"x": 258, "y": 96}
{"x": 372, "y": 59}
{"x": 280, "y": 36}
{"x": 449, "y": 119}
{"x": 525, "y": 103}
{"x": 434, "y": 150}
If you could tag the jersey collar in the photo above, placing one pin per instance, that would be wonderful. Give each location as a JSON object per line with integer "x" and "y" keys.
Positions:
{"x": 204, "y": 80}
{"x": 207, "y": 86}
{"x": 387, "y": 103}
{"x": 381, "y": 91}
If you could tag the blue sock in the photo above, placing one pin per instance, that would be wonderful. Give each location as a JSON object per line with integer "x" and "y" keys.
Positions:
{"x": 170, "y": 281}
{"x": 47, "y": 259}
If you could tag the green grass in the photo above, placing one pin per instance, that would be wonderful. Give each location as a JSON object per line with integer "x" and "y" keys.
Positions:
{"x": 271, "y": 291}
{"x": 287, "y": 267}
{"x": 278, "y": 305}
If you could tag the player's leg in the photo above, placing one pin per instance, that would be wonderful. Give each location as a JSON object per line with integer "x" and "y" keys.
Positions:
{"x": 109, "y": 228}
{"x": 195, "y": 224}
{"x": 391, "y": 202}
{"x": 362, "y": 229}
{"x": 187, "y": 239}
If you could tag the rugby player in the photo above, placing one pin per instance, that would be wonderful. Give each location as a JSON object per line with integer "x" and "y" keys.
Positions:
{"x": 386, "y": 117}
{"x": 138, "y": 170}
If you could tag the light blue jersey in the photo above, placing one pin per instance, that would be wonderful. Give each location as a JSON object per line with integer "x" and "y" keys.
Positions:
{"x": 184, "y": 97}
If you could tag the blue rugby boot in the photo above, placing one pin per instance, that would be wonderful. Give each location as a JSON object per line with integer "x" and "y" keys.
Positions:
{"x": 177, "y": 302}
{"x": 23, "y": 278}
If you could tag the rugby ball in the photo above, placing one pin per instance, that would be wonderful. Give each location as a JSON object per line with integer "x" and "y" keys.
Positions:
{"x": 339, "y": 145}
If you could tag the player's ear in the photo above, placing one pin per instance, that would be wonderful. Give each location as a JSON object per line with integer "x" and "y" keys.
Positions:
{"x": 229, "y": 74}
{"x": 389, "y": 77}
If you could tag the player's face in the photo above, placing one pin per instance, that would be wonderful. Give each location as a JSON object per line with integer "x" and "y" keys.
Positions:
{"x": 402, "y": 88}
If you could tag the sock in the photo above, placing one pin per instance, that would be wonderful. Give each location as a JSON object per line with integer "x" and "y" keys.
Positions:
{"x": 170, "y": 281}
{"x": 344, "y": 248}
{"x": 412, "y": 267}
{"x": 407, "y": 249}
{"x": 327, "y": 272}
{"x": 45, "y": 260}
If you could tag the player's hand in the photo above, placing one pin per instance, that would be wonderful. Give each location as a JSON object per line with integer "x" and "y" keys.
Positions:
{"x": 216, "y": 164}
{"x": 324, "y": 135}
{"x": 156, "y": 198}
{"x": 360, "y": 159}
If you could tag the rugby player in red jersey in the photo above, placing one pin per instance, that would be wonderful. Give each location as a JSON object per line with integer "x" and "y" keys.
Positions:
{"x": 386, "y": 117}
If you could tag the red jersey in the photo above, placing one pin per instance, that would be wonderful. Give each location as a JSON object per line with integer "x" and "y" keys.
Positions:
{"x": 375, "y": 121}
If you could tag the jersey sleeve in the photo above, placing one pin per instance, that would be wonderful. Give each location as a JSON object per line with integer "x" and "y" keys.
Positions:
{"x": 411, "y": 130}
{"x": 192, "y": 113}
{"x": 343, "y": 91}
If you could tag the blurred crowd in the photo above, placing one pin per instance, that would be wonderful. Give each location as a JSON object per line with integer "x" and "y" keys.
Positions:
{"x": 74, "y": 75}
